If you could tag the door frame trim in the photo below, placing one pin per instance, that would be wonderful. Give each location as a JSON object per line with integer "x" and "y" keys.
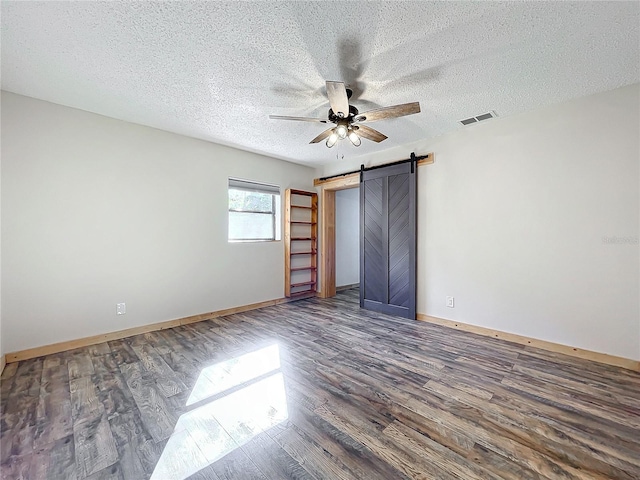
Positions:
{"x": 328, "y": 236}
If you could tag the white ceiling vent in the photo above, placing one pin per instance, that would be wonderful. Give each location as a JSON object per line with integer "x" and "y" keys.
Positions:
{"x": 479, "y": 118}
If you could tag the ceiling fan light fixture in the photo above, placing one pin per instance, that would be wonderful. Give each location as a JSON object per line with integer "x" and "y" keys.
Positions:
{"x": 333, "y": 138}
{"x": 355, "y": 139}
{"x": 342, "y": 131}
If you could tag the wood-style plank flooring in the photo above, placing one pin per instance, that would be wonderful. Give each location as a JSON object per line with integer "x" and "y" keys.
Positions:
{"x": 317, "y": 389}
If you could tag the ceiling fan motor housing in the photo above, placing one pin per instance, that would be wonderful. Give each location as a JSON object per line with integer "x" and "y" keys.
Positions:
{"x": 353, "y": 111}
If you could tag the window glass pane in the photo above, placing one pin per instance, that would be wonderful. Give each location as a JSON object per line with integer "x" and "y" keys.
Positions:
{"x": 250, "y": 201}
{"x": 251, "y": 226}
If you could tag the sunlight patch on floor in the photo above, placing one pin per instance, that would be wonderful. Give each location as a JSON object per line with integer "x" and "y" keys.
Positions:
{"x": 209, "y": 432}
{"x": 231, "y": 373}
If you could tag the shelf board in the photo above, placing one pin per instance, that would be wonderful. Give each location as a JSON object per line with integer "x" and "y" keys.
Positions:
{"x": 308, "y": 291}
{"x": 303, "y": 238}
{"x": 301, "y": 206}
{"x": 304, "y": 253}
{"x": 302, "y": 193}
{"x": 301, "y": 269}
{"x": 302, "y": 284}
{"x": 304, "y": 223}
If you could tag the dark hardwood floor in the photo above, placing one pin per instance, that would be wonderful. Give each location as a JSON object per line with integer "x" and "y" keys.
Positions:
{"x": 317, "y": 389}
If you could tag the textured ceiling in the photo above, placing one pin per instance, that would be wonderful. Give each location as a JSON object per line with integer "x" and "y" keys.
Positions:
{"x": 216, "y": 70}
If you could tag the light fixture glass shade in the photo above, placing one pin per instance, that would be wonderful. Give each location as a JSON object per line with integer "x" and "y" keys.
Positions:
{"x": 333, "y": 138}
{"x": 355, "y": 139}
{"x": 341, "y": 130}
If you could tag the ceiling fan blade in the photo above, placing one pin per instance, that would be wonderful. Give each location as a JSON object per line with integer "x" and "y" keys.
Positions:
{"x": 337, "y": 93}
{"x": 322, "y": 136}
{"x": 389, "y": 112}
{"x": 370, "y": 134}
{"x": 299, "y": 119}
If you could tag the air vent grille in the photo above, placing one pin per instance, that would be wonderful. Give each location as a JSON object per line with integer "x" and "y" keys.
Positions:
{"x": 478, "y": 118}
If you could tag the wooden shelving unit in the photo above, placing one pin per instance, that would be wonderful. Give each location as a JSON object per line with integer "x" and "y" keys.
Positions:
{"x": 300, "y": 243}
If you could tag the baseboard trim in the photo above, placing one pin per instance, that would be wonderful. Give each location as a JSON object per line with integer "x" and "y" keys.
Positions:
{"x": 534, "y": 342}
{"x": 130, "y": 332}
{"x": 487, "y": 332}
{"x": 347, "y": 287}
{"x": 3, "y": 363}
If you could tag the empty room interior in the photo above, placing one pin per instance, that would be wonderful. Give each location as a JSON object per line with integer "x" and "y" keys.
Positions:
{"x": 320, "y": 240}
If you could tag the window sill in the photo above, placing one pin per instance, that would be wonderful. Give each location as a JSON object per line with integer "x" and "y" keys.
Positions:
{"x": 254, "y": 241}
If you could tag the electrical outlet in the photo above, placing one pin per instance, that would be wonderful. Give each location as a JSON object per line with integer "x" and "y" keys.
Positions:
{"x": 450, "y": 302}
{"x": 121, "y": 308}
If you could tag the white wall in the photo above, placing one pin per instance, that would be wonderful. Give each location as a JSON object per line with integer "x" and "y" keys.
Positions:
{"x": 1, "y": 336}
{"x": 97, "y": 211}
{"x": 347, "y": 237}
{"x": 512, "y": 219}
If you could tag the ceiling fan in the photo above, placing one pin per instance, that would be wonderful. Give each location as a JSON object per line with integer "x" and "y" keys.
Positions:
{"x": 348, "y": 120}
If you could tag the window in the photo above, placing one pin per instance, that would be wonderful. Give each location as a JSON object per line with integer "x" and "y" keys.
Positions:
{"x": 254, "y": 211}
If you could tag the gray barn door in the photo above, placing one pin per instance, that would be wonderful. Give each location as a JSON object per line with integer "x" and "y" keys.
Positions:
{"x": 388, "y": 239}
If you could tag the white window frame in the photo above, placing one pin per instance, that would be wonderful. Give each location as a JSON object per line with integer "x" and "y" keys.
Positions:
{"x": 260, "y": 187}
